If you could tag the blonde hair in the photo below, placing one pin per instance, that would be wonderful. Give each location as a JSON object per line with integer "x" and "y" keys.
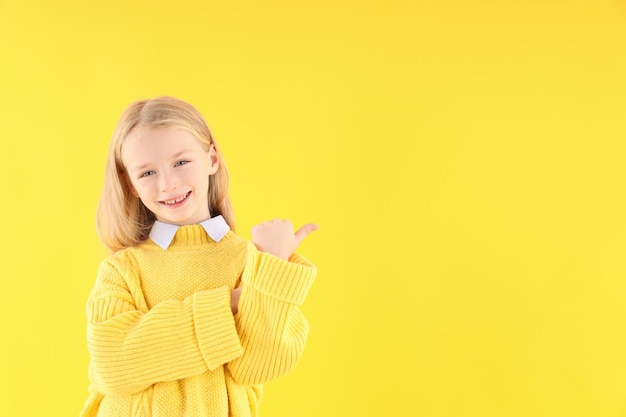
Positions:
{"x": 122, "y": 220}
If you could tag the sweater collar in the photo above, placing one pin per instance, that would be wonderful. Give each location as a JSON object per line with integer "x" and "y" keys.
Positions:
{"x": 163, "y": 233}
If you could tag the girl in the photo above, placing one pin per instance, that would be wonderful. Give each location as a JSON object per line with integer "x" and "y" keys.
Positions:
{"x": 186, "y": 318}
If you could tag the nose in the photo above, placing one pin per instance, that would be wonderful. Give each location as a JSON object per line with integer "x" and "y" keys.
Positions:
{"x": 168, "y": 181}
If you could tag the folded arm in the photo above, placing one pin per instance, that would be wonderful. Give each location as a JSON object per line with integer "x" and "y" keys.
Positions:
{"x": 271, "y": 326}
{"x": 132, "y": 347}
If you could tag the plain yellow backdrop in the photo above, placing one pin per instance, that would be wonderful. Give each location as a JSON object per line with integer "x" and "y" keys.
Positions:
{"x": 465, "y": 161}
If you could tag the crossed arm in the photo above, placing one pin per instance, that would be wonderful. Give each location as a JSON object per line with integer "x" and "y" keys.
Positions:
{"x": 133, "y": 347}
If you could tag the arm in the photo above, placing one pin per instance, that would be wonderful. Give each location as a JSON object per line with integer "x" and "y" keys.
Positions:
{"x": 271, "y": 326}
{"x": 132, "y": 347}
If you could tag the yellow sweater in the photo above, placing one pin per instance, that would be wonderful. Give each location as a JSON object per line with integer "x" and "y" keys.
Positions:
{"x": 163, "y": 340}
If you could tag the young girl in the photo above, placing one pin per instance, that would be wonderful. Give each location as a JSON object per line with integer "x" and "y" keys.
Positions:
{"x": 186, "y": 318}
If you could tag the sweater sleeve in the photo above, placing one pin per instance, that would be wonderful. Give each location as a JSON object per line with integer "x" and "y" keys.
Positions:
{"x": 271, "y": 326}
{"x": 132, "y": 347}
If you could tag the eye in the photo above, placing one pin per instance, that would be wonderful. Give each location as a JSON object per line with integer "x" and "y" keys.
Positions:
{"x": 146, "y": 174}
{"x": 179, "y": 163}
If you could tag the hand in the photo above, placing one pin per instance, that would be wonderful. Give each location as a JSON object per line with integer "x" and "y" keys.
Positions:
{"x": 277, "y": 237}
{"x": 234, "y": 299}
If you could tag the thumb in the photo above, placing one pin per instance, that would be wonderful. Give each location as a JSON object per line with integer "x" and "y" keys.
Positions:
{"x": 304, "y": 232}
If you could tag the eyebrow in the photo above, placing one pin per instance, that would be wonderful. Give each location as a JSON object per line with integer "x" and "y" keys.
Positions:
{"x": 146, "y": 165}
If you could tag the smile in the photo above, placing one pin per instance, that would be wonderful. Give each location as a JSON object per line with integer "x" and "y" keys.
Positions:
{"x": 176, "y": 200}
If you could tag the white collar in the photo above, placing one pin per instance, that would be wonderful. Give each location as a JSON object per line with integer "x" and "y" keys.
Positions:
{"x": 163, "y": 233}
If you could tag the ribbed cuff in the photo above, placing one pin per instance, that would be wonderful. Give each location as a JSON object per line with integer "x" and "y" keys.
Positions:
{"x": 287, "y": 281}
{"x": 215, "y": 327}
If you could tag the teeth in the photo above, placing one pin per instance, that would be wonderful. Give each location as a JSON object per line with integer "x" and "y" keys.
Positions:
{"x": 177, "y": 200}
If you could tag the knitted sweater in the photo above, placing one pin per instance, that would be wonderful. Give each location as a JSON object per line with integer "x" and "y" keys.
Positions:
{"x": 163, "y": 340}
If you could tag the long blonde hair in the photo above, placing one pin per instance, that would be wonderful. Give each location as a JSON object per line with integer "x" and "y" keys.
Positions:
{"x": 122, "y": 220}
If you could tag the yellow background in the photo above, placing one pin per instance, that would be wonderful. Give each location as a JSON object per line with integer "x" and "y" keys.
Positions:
{"x": 465, "y": 161}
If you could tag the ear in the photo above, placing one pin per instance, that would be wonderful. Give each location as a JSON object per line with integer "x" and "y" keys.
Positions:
{"x": 214, "y": 160}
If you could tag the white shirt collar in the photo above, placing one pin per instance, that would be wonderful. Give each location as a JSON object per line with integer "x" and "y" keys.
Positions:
{"x": 163, "y": 233}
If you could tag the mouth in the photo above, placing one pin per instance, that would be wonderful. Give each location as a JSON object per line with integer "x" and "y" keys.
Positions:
{"x": 175, "y": 201}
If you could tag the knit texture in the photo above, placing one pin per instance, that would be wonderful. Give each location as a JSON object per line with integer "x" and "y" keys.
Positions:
{"x": 163, "y": 340}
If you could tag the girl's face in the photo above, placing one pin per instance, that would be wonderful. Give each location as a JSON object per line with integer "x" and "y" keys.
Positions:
{"x": 169, "y": 171}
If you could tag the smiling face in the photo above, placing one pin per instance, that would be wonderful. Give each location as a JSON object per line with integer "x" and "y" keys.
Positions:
{"x": 169, "y": 171}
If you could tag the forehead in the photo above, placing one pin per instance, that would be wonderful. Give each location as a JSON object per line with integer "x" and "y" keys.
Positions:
{"x": 153, "y": 145}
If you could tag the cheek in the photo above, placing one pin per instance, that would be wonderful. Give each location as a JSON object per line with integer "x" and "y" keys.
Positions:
{"x": 141, "y": 189}
{"x": 196, "y": 175}
{"x": 202, "y": 179}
